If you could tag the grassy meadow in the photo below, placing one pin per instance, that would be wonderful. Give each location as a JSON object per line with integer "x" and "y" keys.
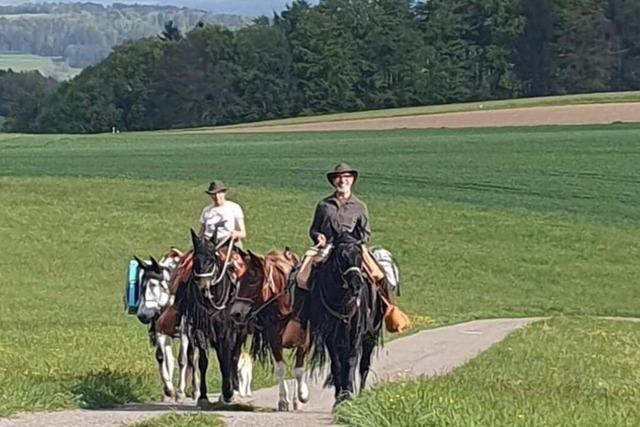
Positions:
{"x": 484, "y": 223}
{"x": 564, "y": 372}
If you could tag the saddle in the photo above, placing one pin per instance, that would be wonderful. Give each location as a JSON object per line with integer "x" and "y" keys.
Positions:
{"x": 395, "y": 319}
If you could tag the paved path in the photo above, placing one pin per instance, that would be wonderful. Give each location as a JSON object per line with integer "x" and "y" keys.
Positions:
{"x": 431, "y": 352}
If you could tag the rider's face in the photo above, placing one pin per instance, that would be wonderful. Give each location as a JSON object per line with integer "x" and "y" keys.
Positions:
{"x": 218, "y": 198}
{"x": 343, "y": 182}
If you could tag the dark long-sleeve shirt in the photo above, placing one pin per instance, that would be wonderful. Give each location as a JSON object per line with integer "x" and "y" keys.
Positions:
{"x": 341, "y": 220}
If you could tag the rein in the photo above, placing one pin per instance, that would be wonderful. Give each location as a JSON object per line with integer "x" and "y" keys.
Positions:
{"x": 227, "y": 261}
{"x": 344, "y": 317}
{"x": 224, "y": 267}
{"x": 221, "y": 304}
{"x": 254, "y": 313}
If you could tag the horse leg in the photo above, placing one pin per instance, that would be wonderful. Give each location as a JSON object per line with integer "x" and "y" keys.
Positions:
{"x": 225, "y": 362}
{"x": 194, "y": 357}
{"x": 203, "y": 363}
{"x": 334, "y": 379}
{"x": 303, "y": 388}
{"x": 247, "y": 385}
{"x": 239, "y": 341}
{"x": 365, "y": 360}
{"x": 164, "y": 356}
{"x": 348, "y": 362}
{"x": 183, "y": 363}
{"x": 280, "y": 370}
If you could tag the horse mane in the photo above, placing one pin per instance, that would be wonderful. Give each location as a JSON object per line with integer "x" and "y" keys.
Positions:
{"x": 182, "y": 273}
{"x": 278, "y": 266}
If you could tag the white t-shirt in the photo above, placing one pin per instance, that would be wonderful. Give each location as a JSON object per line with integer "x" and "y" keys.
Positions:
{"x": 229, "y": 211}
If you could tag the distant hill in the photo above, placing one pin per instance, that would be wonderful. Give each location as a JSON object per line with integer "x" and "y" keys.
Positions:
{"x": 84, "y": 33}
{"x": 251, "y": 8}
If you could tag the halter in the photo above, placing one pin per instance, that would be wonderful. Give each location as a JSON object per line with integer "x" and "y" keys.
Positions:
{"x": 162, "y": 281}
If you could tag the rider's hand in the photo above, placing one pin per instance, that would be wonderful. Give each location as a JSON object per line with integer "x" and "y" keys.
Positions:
{"x": 321, "y": 240}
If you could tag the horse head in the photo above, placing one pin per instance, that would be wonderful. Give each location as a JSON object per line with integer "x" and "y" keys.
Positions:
{"x": 347, "y": 260}
{"x": 250, "y": 290}
{"x": 154, "y": 285}
{"x": 205, "y": 261}
{"x": 262, "y": 280}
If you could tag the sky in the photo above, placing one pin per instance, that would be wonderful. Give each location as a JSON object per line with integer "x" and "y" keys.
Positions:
{"x": 239, "y": 7}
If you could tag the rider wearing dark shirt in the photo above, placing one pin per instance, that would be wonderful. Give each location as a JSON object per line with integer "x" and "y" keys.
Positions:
{"x": 341, "y": 218}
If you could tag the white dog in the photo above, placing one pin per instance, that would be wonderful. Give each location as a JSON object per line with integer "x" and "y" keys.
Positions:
{"x": 245, "y": 373}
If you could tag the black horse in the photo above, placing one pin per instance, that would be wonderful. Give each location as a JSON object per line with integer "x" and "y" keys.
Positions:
{"x": 346, "y": 319}
{"x": 204, "y": 304}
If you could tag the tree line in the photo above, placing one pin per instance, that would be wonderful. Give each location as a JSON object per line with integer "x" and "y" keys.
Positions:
{"x": 349, "y": 55}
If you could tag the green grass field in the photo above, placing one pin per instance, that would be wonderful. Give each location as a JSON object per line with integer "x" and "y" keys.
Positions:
{"x": 181, "y": 420}
{"x": 45, "y": 64}
{"x": 578, "y": 372}
{"x": 484, "y": 223}
{"x": 543, "y": 101}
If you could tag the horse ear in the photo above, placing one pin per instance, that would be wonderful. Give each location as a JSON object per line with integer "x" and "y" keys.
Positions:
{"x": 255, "y": 257}
{"x": 242, "y": 252}
{"x": 141, "y": 263}
{"x": 194, "y": 237}
{"x": 154, "y": 264}
{"x": 287, "y": 253}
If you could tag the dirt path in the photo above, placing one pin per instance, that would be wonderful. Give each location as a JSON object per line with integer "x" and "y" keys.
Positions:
{"x": 431, "y": 352}
{"x": 530, "y": 116}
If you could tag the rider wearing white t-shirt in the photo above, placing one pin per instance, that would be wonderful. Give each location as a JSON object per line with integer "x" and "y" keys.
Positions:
{"x": 222, "y": 210}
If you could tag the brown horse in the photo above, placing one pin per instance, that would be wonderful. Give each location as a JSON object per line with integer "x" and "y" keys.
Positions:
{"x": 264, "y": 302}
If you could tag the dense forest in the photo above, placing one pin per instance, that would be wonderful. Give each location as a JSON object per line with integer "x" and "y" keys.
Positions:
{"x": 348, "y": 55}
{"x": 84, "y": 33}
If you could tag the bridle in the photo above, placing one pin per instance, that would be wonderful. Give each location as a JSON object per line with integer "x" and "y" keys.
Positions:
{"x": 344, "y": 317}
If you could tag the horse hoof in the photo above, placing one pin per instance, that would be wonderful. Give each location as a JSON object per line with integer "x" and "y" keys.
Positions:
{"x": 224, "y": 401}
{"x": 167, "y": 399}
{"x": 180, "y": 397}
{"x": 303, "y": 395}
{"x": 342, "y": 397}
{"x": 283, "y": 406}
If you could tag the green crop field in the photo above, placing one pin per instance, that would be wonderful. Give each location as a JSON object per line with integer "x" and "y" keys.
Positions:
{"x": 484, "y": 223}
{"x": 47, "y": 66}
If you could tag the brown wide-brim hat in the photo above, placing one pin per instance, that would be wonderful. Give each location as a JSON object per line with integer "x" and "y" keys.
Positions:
{"x": 342, "y": 168}
{"x": 215, "y": 187}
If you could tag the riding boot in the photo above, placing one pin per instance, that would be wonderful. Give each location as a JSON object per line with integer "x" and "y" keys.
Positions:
{"x": 385, "y": 290}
